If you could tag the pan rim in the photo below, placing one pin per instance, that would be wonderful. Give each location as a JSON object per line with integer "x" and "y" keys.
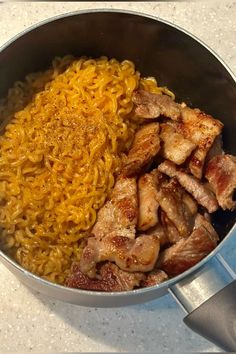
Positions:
{"x": 167, "y": 284}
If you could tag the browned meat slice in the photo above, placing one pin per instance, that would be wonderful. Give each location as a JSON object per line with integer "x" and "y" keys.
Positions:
{"x": 137, "y": 255}
{"x": 204, "y": 221}
{"x": 121, "y": 212}
{"x": 111, "y": 278}
{"x": 175, "y": 146}
{"x": 174, "y": 202}
{"x": 170, "y": 230}
{"x": 221, "y": 174}
{"x": 145, "y": 146}
{"x": 148, "y": 203}
{"x": 152, "y": 105}
{"x": 198, "y": 190}
{"x": 201, "y": 129}
{"x": 187, "y": 252}
{"x": 114, "y": 231}
{"x": 155, "y": 277}
{"x": 190, "y": 204}
{"x": 159, "y": 232}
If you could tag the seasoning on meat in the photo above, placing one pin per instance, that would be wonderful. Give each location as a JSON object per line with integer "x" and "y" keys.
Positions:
{"x": 155, "y": 277}
{"x": 201, "y": 129}
{"x": 145, "y": 146}
{"x": 139, "y": 255}
{"x": 148, "y": 203}
{"x": 197, "y": 189}
{"x": 172, "y": 199}
{"x": 111, "y": 278}
{"x": 175, "y": 147}
{"x": 221, "y": 174}
{"x": 152, "y": 105}
{"x": 121, "y": 212}
{"x": 187, "y": 252}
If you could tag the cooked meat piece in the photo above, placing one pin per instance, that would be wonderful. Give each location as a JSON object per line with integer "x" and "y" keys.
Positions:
{"x": 145, "y": 146}
{"x": 137, "y": 255}
{"x": 190, "y": 204}
{"x": 148, "y": 203}
{"x": 114, "y": 230}
{"x": 216, "y": 149}
{"x": 172, "y": 199}
{"x": 111, "y": 278}
{"x": 152, "y": 105}
{"x": 169, "y": 228}
{"x": 221, "y": 174}
{"x": 125, "y": 198}
{"x": 187, "y": 252}
{"x": 206, "y": 216}
{"x": 155, "y": 277}
{"x": 159, "y": 232}
{"x": 201, "y": 129}
{"x": 175, "y": 147}
{"x": 205, "y": 222}
{"x": 198, "y": 190}
{"x": 121, "y": 212}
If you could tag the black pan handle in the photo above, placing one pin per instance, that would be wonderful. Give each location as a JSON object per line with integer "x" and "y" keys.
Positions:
{"x": 208, "y": 295}
{"x": 215, "y": 319}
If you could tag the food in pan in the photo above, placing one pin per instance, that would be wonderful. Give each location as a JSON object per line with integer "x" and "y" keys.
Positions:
{"x": 106, "y": 182}
{"x": 59, "y": 156}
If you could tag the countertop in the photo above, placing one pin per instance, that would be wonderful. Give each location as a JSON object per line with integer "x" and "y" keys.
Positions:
{"x": 32, "y": 322}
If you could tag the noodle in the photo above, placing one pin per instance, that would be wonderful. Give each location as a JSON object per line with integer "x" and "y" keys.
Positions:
{"x": 59, "y": 156}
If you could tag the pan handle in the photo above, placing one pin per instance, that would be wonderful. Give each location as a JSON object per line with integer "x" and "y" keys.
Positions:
{"x": 209, "y": 298}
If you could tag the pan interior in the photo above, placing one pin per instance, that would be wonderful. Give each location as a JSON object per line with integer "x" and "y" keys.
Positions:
{"x": 173, "y": 57}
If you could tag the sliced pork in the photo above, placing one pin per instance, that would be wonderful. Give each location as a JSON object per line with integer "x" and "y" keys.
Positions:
{"x": 148, "y": 202}
{"x": 139, "y": 255}
{"x": 201, "y": 129}
{"x": 155, "y": 277}
{"x": 188, "y": 252}
{"x": 151, "y": 228}
{"x": 194, "y": 125}
{"x": 152, "y": 105}
{"x": 221, "y": 174}
{"x": 216, "y": 149}
{"x": 205, "y": 222}
{"x": 121, "y": 212}
{"x": 119, "y": 215}
{"x": 203, "y": 195}
{"x": 174, "y": 202}
{"x": 170, "y": 230}
{"x": 175, "y": 147}
{"x": 111, "y": 278}
{"x": 159, "y": 232}
{"x": 145, "y": 146}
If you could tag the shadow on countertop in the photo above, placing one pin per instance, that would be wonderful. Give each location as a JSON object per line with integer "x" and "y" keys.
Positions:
{"x": 156, "y": 325}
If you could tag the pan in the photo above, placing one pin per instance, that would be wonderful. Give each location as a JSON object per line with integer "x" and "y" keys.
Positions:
{"x": 189, "y": 68}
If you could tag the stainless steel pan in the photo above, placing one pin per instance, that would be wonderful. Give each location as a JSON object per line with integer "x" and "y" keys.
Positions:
{"x": 196, "y": 75}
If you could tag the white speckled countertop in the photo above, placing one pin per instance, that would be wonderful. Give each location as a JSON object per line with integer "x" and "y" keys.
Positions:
{"x": 32, "y": 322}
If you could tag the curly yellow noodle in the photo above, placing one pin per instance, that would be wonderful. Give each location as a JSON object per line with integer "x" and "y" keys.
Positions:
{"x": 59, "y": 155}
